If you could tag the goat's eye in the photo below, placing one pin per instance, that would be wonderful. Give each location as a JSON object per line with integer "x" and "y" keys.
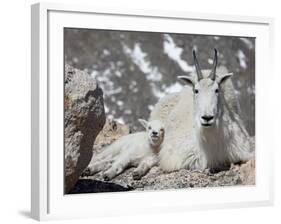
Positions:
{"x": 196, "y": 91}
{"x": 149, "y": 128}
{"x": 217, "y": 90}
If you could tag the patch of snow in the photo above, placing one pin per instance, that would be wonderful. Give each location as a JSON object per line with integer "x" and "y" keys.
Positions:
{"x": 120, "y": 103}
{"x": 135, "y": 90}
{"x": 210, "y": 61}
{"x": 248, "y": 42}
{"x": 120, "y": 120}
{"x": 174, "y": 88}
{"x": 156, "y": 91}
{"x": 104, "y": 80}
{"x": 216, "y": 37}
{"x": 106, "y": 52}
{"x": 236, "y": 92}
{"x": 103, "y": 76}
{"x": 139, "y": 59}
{"x": 132, "y": 84}
{"x": 154, "y": 75}
{"x": 114, "y": 91}
{"x": 127, "y": 111}
{"x": 120, "y": 63}
{"x": 94, "y": 74}
{"x": 242, "y": 59}
{"x": 174, "y": 52}
{"x": 110, "y": 116}
{"x": 118, "y": 73}
{"x": 106, "y": 109}
{"x": 150, "y": 107}
{"x": 159, "y": 93}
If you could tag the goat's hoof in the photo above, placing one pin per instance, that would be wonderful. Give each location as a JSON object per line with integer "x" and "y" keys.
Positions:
{"x": 86, "y": 172}
{"x": 106, "y": 177}
{"x": 136, "y": 176}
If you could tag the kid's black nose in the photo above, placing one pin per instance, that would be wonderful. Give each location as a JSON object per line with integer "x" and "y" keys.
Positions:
{"x": 154, "y": 133}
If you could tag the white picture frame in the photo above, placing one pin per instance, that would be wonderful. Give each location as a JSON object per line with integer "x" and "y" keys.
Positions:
{"x": 48, "y": 201}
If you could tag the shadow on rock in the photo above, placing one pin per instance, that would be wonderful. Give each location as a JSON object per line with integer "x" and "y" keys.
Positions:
{"x": 95, "y": 186}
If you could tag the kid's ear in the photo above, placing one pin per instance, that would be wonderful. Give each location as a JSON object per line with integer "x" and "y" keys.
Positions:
{"x": 222, "y": 78}
{"x": 187, "y": 79}
{"x": 143, "y": 123}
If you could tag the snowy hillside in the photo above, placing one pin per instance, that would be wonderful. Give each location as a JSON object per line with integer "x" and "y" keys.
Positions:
{"x": 135, "y": 69}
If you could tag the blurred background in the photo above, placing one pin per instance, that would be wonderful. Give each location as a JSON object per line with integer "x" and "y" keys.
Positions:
{"x": 136, "y": 69}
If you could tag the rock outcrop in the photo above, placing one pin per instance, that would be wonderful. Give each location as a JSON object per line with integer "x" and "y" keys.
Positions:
{"x": 84, "y": 118}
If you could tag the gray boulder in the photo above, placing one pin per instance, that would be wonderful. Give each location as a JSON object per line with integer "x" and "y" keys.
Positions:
{"x": 84, "y": 119}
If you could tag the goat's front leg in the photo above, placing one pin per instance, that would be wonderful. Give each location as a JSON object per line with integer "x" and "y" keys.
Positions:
{"x": 97, "y": 167}
{"x": 145, "y": 165}
{"x": 117, "y": 167}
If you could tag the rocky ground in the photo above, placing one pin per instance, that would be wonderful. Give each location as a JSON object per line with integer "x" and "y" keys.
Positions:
{"x": 156, "y": 179}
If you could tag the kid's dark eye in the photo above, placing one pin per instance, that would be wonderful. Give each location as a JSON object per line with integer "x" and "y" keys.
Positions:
{"x": 196, "y": 91}
{"x": 149, "y": 128}
{"x": 217, "y": 90}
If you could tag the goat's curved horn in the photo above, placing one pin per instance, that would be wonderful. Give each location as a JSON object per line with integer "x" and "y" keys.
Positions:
{"x": 198, "y": 70}
{"x": 215, "y": 62}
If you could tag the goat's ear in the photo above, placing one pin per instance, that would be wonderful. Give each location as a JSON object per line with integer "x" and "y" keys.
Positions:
{"x": 187, "y": 79}
{"x": 143, "y": 123}
{"x": 222, "y": 78}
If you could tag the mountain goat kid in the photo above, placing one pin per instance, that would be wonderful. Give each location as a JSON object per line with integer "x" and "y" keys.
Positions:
{"x": 202, "y": 131}
{"x": 138, "y": 150}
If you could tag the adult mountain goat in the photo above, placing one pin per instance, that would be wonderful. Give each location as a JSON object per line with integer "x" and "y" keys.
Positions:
{"x": 201, "y": 129}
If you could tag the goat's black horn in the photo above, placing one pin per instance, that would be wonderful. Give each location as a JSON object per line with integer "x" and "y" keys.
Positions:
{"x": 198, "y": 70}
{"x": 215, "y": 62}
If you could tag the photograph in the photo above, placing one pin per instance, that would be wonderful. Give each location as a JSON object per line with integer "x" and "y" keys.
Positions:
{"x": 146, "y": 111}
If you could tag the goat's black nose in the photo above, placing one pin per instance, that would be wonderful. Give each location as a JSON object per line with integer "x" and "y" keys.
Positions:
{"x": 207, "y": 118}
{"x": 154, "y": 133}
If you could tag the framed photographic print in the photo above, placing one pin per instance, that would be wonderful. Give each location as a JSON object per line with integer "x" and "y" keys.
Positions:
{"x": 166, "y": 109}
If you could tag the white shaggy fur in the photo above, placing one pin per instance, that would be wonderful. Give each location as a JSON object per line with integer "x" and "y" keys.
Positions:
{"x": 189, "y": 145}
{"x": 134, "y": 150}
